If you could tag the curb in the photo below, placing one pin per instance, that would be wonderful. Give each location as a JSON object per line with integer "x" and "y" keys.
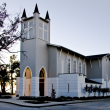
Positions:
{"x": 82, "y": 101}
{"x": 46, "y": 105}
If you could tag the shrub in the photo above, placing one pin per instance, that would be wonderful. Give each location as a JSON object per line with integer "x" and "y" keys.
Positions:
{"x": 5, "y": 97}
{"x": 61, "y": 98}
{"x": 17, "y": 95}
{"x": 83, "y": 98}
{"x": 95, "y": 90}
{"x": 44, "y": 98}
{"x": 76, "y": 98}
{"x": 27, "y": 98}
{"x": 68, "y": 97}
{"x": 88, "y": 89}
{"x": 53, "y": 94}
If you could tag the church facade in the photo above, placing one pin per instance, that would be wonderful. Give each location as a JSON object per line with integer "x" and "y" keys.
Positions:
{"x": 45, "y": 66}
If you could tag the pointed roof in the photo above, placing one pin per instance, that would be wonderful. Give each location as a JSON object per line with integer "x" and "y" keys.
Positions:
{"x": 36, "y": 9}
{"x": 24, "y": 14}
{"x": 47, "y": 16}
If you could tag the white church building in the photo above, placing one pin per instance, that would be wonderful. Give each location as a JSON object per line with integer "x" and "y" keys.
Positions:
{"x": 46, "y": 66}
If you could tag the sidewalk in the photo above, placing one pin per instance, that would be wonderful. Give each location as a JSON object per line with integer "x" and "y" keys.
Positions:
{"x": 22, "y": 103}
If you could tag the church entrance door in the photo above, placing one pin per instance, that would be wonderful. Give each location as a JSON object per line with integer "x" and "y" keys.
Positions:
{"x": 42, "y": 82}
{"x": 27, "y": 82}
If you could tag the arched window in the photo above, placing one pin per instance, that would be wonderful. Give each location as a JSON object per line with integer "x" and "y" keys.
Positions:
{"x": 69, "y": 65}
{"x": 74, "y": 66}
{"x": 79, "y": 67}
{"x": 42, "y": 73}
{"x": 84, "y": 69}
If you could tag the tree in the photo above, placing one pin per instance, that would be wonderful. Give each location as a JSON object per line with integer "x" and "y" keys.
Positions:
{"x": 9, "y": 29}
{"x": 4, "y": 76}
{"x": 104, "y": 90}
{"x": 95, "y": 90}
{"x": 53, "y": 94}
{"x": 14, "y": 68}
{"x": 9, "y": 32}
{"x": 88, "y": 89}
{"x": 99, "y": 90}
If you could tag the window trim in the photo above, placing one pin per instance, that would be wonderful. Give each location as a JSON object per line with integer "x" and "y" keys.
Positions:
{"x": 84, "y": 68}
{"x": 39, "y": 33}
{"x": 28, "y": 30}
{"x": 79, "y": 67}
{"x": 74, "y": 67}
{"x": 43, "y": 31}
{"x": 69, "y": 71}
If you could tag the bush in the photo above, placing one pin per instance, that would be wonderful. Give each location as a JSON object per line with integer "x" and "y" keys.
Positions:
{"x": 83, "y": 98}
{"x": 69, "y": 98}
{"x": 63, "y": 97}
{"x": 76, "y": 98}
{"x": 53, "y": 94}
{"x": 45, "y": 98}
{"x": 27, "y": 98}
{"x": 17, "y": 95}
{"x": 5, "y": 97}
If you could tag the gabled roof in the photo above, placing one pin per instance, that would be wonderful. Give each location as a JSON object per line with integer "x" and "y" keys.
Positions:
{"x": 78, "y": 54}
{"x": 36, "y": 9}
{"x": 91, "y": 81}
{"x": 97, "y": 56}
{"x": 67, "y": 50}
{"x": 24, "y": 14}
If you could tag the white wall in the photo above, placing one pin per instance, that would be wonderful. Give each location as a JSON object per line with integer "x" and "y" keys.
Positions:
{"x": 55, "y": 82}
{"x": 63, "y": 57}
{"x": 76, "y": 85}
{"x": 60, "y": 84}
{"x": 72, "y": 80}
{"x": 34, "y": 86}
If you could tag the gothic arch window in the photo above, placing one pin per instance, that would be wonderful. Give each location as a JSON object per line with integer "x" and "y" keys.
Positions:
{"x": 84, "y": 68}
{"x": 80, "y": 67}
{"x": 74, "y": 66}
{"x": 69, "y": 65}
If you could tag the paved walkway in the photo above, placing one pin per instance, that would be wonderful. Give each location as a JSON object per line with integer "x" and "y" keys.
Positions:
{"x": 16, "y": 101}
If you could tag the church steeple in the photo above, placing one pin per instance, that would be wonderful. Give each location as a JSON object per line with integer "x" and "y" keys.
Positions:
{"x": 47, "y": 16}
{"x": 24, "y": 14}
{"x": 36, "y": 9}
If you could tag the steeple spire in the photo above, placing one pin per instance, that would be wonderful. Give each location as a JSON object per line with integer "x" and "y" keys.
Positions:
{"x": 24, "y": 14}
{"x": 47, "y": 16}
{"x": 36, "y": 9}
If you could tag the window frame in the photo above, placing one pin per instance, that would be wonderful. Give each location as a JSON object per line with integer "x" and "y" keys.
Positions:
{"x": 28, "y": 29}
{"x": 80, "y": 67}
{"x": 74, "y": 62}
{"x": 39, "y": 33}
{"x": 24, "y": 25}
{"x": 69, "y": 65}
{"x": 84, "y": 68}
{"x": 44, "y": 31}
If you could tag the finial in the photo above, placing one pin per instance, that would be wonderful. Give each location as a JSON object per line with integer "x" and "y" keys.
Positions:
{"x": 47, "y": 16}
{"x": 24, "y": 14}
{"x": 36, "y": 9}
